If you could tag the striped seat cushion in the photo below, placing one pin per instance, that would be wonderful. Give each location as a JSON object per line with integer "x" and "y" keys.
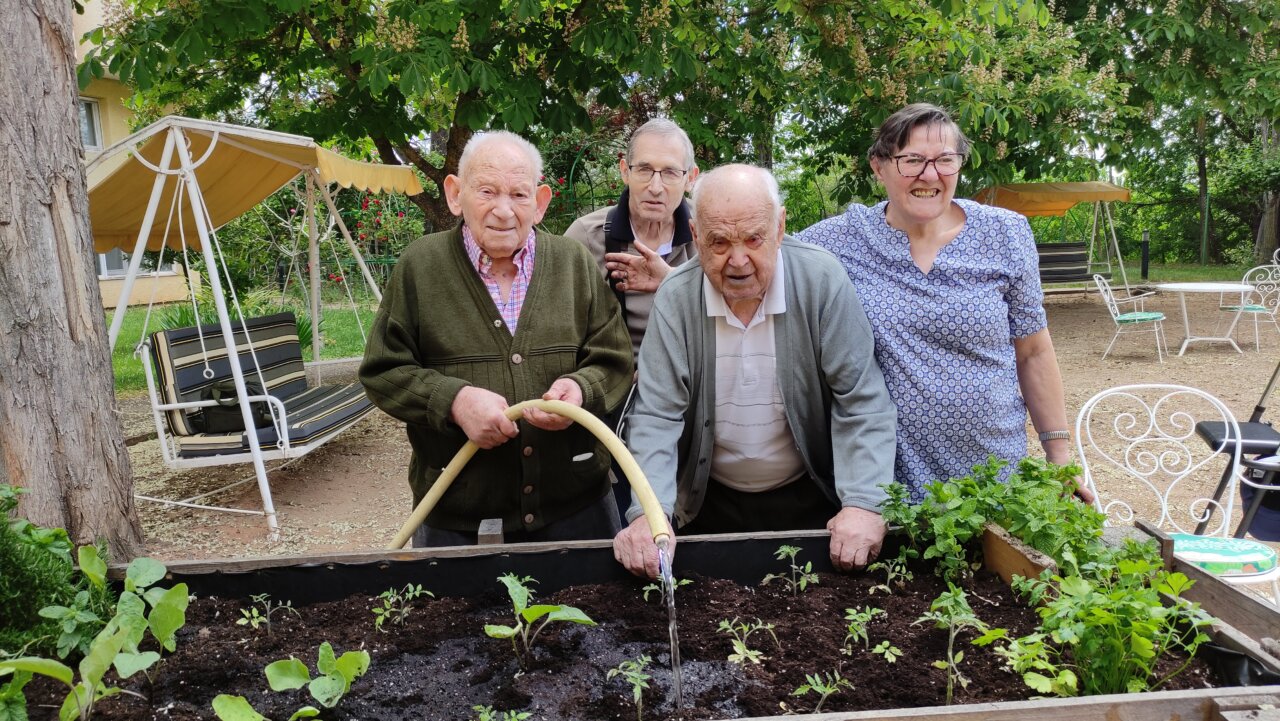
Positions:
{"x": 1225, "y": 556}
{"x": 1139, "y": 317}
{"x": 182, "y": 356}
{"x": 312, "y": 414}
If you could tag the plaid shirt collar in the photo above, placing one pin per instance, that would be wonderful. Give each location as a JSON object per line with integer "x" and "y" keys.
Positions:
{"x": 509, "y": 309}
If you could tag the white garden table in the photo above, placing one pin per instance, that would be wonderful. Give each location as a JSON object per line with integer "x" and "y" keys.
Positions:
{"x": 1206, "y": 287}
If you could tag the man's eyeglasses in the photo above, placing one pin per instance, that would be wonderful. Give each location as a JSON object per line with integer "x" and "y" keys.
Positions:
{"x": 670, "y": 176}
{"x": 911, "y": 165}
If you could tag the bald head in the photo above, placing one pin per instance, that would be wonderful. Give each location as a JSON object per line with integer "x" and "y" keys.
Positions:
{"x": 739, "y": 223}
{"x": 743, "y": 186}
{"x": 482, "y": 144}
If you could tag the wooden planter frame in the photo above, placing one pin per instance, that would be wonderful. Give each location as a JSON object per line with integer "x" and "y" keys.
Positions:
{"x": 1244, "y": 624}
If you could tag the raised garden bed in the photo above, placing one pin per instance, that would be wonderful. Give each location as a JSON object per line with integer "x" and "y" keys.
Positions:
{"x": 439, "y": 664}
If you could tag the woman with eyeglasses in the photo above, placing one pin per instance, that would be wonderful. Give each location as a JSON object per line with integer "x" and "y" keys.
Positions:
{"x": 952, "y": 290}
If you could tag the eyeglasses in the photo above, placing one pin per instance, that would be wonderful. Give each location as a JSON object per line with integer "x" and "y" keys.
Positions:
{"x": 911, "y": 165}
{"x": 670, "y": 176}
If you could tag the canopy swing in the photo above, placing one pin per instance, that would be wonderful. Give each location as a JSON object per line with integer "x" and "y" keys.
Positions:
{"x": 202, "y": 174}
{"x": 1067, "y": 262}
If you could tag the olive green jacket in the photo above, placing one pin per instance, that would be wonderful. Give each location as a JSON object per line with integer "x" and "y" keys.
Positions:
{"x": 438, "y": 331}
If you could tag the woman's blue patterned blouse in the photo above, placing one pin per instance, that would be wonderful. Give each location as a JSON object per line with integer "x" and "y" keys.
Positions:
{"x": 944, "y": 339}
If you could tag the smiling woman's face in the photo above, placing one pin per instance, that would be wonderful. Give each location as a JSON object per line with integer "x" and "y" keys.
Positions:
{"x": 925, "y": 198}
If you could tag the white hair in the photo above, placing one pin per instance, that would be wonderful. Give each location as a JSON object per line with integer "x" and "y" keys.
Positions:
{"x": 707, "y": 181}
{"x": 663, "y": 128}
{"x": 492, "y": 136}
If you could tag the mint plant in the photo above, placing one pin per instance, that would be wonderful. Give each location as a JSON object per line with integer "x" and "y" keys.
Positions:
{"x": 798, "y": 577}
{"x": 825, "y": 685}
{"x": 632, "y": 671}
{"x": 858, "y": 619}
{"x": 255, "y": 619}
{"x": 333, "y": 682}
{"x": 657, "y": 587}
{"x": 523, "y": 633}
{"x": 951, "y": 612}
{"x": 740, "y": 634}
{"x": 887, "y": 651}
{"x": 486, "y": 713}
{"x": 115, "y": 646}
{"x": 395, "y": 604}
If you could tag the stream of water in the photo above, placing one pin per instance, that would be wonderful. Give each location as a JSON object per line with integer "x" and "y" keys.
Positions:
{"x": 669, "y": 593}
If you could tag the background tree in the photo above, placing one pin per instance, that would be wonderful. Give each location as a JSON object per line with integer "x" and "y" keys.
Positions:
{"x": 1202, "y": 74}
{"x": 60, "y": 435}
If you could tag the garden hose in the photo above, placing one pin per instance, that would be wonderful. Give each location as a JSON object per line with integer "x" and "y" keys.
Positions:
{"x": 639, "y": 485}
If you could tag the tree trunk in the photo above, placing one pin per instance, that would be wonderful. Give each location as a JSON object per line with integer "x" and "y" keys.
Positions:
{"x": 60, "y": 435}
{"x": 1202, "y": 174}
{"x": 1268, "y": 237}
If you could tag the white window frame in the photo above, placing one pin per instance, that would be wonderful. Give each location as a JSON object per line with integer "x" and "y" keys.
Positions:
{"x": 97, "y": 122}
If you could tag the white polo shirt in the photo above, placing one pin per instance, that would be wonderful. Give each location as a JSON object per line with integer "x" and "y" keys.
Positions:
{"x": 754, "y": 449}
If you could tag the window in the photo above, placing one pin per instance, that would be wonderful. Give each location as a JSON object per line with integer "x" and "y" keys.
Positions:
{"x": 90, "y": 125}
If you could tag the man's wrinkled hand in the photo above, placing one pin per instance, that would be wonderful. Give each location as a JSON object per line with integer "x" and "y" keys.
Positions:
{"x": 856, "y": 537}
{"x": 634, "y": 548}
{"x": 479, "y": 413}
{"x": 637, "y": 273}
{"x": 563, "y": 389}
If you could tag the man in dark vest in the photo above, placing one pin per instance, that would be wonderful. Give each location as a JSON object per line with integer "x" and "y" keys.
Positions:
{"x": 639, "y": 240}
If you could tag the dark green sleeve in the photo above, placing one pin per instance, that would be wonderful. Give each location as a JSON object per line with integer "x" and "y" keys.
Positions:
{"x": 605, "y": 360}
{"x": 392, "y": 372}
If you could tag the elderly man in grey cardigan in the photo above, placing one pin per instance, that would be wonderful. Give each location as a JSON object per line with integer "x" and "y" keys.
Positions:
{"x": 760, "y": 406}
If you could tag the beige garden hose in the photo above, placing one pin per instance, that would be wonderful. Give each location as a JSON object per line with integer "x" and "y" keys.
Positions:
{"x": 631, "y": 469}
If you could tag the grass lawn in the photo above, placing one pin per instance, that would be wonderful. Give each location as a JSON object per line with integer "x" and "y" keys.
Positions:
{"x": 339, "y": 330}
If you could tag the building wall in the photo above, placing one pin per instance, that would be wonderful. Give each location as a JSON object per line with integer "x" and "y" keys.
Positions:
{"x": 109, "y": 96}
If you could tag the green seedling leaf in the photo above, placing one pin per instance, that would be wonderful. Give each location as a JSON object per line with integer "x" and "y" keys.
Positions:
{"x": 517, "y": 590}
{"x": 572, "y": 615}
{"x": 92, "y": 565}
{"x": 328, "y": 690}
{"x": 305, "y": 712}
{"x": 235, "y": 708}
{"x": 498, "y": 631}
{"x": 127, "y": 664}
{"x": 327, "y": 663}
{"x": 43, "y": 666}
{"x": 143, "y": 572}
{"x": 533, "y": 613}
{"x": 352, "y": 665}
{"x": 287, "y": 674}
{"x": 79, "y": 698}
{"x": 106, "y": 645}
{"x": 168, "y": 614}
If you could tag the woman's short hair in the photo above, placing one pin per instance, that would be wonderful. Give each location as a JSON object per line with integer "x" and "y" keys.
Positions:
{"x": 894, "y": 132}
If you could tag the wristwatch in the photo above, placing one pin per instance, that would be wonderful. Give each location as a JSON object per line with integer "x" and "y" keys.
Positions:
{"x": 1053, "y": 435}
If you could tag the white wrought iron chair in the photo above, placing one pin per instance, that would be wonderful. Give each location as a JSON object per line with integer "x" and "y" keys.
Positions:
{"x": 1261, "y": 303}
{"x": 1275, "y": 256}
{"x": 1143, "y": 460}
{"x": 1137, "y": 320}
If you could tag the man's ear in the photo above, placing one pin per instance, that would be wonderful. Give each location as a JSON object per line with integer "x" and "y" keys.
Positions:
{"x": 543, "y": 196}
{"x": 452, "y": 191}
{"x": 782, "y": 222}
{"x": 693, "y": 177}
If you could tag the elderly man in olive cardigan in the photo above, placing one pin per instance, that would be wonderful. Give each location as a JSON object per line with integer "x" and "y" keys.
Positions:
{"x": 486, "y": 315}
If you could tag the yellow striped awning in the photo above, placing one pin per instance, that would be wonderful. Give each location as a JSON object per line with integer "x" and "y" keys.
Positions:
{"x": 236, "y": 168}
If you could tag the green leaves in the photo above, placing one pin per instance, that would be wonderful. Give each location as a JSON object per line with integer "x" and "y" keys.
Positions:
{"x": 334, "y": 681}
{"x": 523, "y": 634}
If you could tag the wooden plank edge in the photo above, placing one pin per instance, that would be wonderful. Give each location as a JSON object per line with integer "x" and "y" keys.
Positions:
{"x": 1192, "y": 705}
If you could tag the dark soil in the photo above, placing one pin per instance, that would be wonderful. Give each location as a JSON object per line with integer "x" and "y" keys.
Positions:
{"x": 439, "y": 663}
